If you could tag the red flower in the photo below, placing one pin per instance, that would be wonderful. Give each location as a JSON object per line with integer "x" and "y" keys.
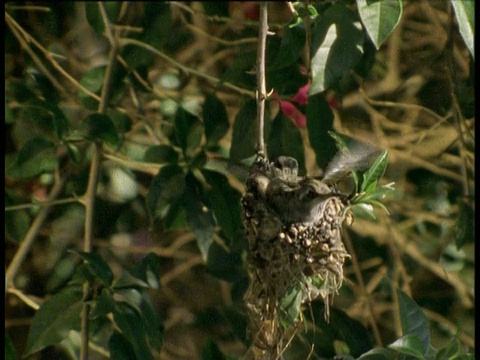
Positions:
{"x": 290, "y": 110}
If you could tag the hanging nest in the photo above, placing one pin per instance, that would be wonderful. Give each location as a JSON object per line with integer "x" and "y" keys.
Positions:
{"x": 293, "y": 227}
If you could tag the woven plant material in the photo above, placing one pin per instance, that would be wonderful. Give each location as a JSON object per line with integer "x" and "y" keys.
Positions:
{"x": 293, "y": 227}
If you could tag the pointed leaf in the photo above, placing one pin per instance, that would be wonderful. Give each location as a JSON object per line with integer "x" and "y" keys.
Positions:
{"x": 103, "y": 305}
{"x": 244, "y": 132}
{"x": 199, "y": 217}
{"x": 161, "y": 154}
{"x": 120, "y": 348}
{"x": 188, "y": 131}
{"x": 409, "y": 345}
{"x": 413, "y": 320}
{"x": 97, "y": 266}
{"x": 291, "y": 47}
{"x": 55, "y": 319}
{"x": 465, "y": 13}
{"x": 36, "y": 157}
{"x": 337, "y": 46}
{"x": 319, "y": 122}
{"x": 376, "y": 171}
{"x": 148, "y": 270}
{"x": 377, "y": 354}
{"x": 153, "y": 323}
{"x": 380, "y": 18}
{"x": 165, "y": 190}
{"x": 225, "y": 202}
{"x": 215, "y": 118}
{"x": 132, "y": 326}
{"x": 99, "y": 127}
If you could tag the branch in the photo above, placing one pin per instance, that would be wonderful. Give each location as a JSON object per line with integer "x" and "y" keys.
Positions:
{"x": 26, "y": 244}
{"x": 261, "y": 83}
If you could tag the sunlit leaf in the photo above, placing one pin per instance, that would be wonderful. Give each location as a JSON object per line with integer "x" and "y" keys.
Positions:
{"x": 37, "y": 156}
{"x": 55, "y": 319}
{"x": 199, "y": 217}
{"x": 290, "y": 307}
{"x": 465, "y": 13}
{"x": 413, "y": 320}
{"x": 376, "y": 171}
{"x": 380, "y": 18}
{"x": 92, "y": 80}
{"x": 409, "y": 345}
{"x": 337, "y": 46}
{"x": 377, "y": 354}
{"x": 215, "y": 118}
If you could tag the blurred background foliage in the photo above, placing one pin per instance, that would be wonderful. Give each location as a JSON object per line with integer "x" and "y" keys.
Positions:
{"x": 178, "y": 134}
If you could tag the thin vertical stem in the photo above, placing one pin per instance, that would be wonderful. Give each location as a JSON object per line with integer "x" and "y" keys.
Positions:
{"x": 261, "y": 83}
{"x": 93, "y": 181}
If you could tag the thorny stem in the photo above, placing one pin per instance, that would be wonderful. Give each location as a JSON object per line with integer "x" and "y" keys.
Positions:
{"x": 261, "y": 83}
{"x": 93, "y": 182}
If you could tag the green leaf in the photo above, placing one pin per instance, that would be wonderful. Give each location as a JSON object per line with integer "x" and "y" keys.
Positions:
{"x": 211, "y": 351}
{"x": 126, "y": 280}
{"x": 291, "y": 47}
{"x": 215, "y": 118}
{"x": 55, "y": 319}
{"x": 239, "y": 72}
{"x": 120, "y": 348}
{"x": 94, "y": 16}
{"x": 99, "y": 127}
{"x": 450, "y": 351}
{"x": 161, "y": 154}
{"x": 74, "y": 153}
{"x": 148, "y": 270}
{"x": 464, "y": 230}
{"x": 217, "y": 8}
{"x": 225, "y": 202}
{"x": 377, "y": 354}
{"x": 131, "y": 296}
{"x": 409, "y": 345}
{"x": 376, "y": 171}
{"x": 413, "y": 320}
{"x": 97, "y": 266}
{"x": 244, "y": 132}
{"x": 285, "y": 139}
{"x": 465, "y": 13}
{"x": 103, "y": 305}
{"x": 199, "y": 217}
{"x": 153, "y": 323}
{"x": 10, "y": 353}
{"x": 120, "y": 120}
{"x": 319, "y": 122}
{"x": 188, "y": 131}
{"x": 225, "y": 265}
{"x": 132, "y": 326}
{"x": 290, "y": 307}
{"x": 92, "y": 80}
{"x": 166, "y": 189}
{"x": 337, "y": 46}
{"x": 17, "y": 222}
{"x": 380, "y": 18}
{"x": 37, "y": 156}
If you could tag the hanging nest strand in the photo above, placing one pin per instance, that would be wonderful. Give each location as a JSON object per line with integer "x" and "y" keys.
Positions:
{"x": 293, "y": 227}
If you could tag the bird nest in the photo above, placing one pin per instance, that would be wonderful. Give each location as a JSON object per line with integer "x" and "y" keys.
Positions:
{"x": 293, "y": 227}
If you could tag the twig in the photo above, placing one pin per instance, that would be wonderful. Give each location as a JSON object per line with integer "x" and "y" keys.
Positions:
{"x": 40, "y": 203}
{"x": 261, "y": 83}
{"x": 126, "y": 41}
{"x": 93, "y": 180}
{"x": 26, "y": 244}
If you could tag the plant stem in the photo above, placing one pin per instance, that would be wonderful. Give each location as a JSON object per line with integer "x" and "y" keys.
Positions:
{"x": 89, "y": 197}
{"x": 261, "y": 83}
